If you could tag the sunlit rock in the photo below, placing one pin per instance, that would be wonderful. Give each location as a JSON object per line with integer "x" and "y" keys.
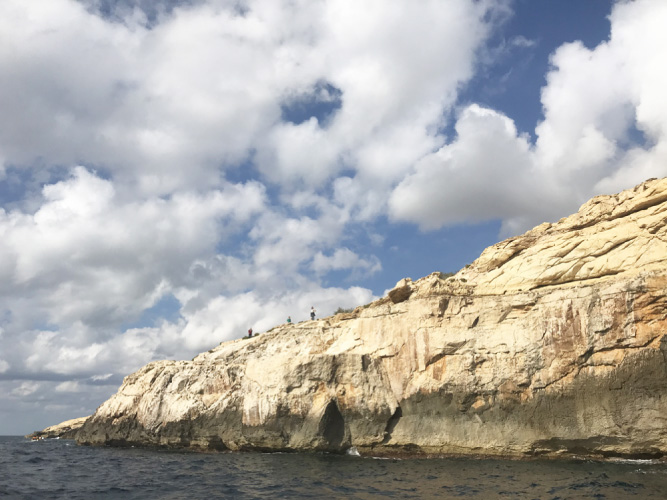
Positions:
{"x": 551, "y": 342}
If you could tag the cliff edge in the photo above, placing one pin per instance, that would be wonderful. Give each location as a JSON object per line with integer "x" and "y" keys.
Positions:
{"x": 553, "y": 342}
{"x": 65, "y": 430}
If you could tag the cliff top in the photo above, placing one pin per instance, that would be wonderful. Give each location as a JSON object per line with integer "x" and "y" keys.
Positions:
{"x": 610, "y": 235}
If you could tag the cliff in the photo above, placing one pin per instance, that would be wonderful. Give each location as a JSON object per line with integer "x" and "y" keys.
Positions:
{"x": 66, "y": 430}
{"x": 552, "y": 342}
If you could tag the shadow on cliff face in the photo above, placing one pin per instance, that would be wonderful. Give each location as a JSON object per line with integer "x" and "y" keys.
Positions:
{"x": 332, "y": 429}
{"x": 615, "y": 414}
{"x": 391, "y": 424}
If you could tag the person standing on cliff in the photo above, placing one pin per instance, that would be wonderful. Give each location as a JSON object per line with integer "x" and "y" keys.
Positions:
{"x": 289, "y": 319}
{"x": 249, "y": 332}
{"x": 312, "y": 312}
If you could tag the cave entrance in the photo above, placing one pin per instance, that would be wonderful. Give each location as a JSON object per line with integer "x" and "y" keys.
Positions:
{"x": 332, "y": 428}
{"x": 391, "y": 424}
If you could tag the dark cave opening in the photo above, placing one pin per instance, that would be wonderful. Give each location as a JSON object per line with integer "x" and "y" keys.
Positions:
{"x": 332, "y": 427}
{"x": 391, "y": 424}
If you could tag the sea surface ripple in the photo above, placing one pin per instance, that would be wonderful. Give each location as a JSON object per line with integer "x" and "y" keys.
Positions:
{"x": 59, "y": 469}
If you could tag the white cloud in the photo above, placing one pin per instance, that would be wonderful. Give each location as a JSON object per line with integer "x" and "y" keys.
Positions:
{"x": 301, "y": 152}
{"x": 596, "y": 98}
{"x": 485, "y": 172}
{"x": 88, "y": 255}
{"x": 593, "y": 101}
{"x": 25, "y": 389}
{"x": 4, "y": 366}
{"x": 69, "y": 386}
{"x": 587, "y": 111}
{"x": 344, "y": 258}
{"x": 203, "y": 87}
{"x": 521, "y": 41}
{"x": 125, "y": 96}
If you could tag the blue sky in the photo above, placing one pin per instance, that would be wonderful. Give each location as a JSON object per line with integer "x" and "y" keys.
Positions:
{"x": 173, "y": 173}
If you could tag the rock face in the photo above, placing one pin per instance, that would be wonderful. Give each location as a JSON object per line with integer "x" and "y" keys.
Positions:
{"x": 552, "y": 342}
{"x": 66, "y": 430}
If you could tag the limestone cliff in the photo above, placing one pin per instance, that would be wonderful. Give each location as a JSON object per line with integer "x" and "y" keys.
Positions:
{"x": 65, "y": 430}
{"x": 551, "y": 342}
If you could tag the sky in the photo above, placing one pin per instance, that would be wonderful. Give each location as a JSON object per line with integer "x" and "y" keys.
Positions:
{"x": 173, "y": 173}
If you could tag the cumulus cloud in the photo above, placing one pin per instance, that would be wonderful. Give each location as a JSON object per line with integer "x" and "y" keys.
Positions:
{"x": 603, "y": 131}
{"x": 115, "y": 99}
{"x": 381, "y": 61}
{"x": 69, "y": 386}
{"x": 486, "y": 170}
{"x": 344, "y": 258}
{"x": 25, "y": 389}
{"x": 87, "y": 255}
{"x": 604, "y": 126}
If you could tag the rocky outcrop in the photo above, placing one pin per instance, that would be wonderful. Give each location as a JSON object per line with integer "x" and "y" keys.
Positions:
{"x": 552, "y": 342}
{"x": 65, "y": 430}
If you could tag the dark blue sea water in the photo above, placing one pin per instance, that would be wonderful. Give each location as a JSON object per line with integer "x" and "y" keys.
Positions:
{"x": 55, "y": 469}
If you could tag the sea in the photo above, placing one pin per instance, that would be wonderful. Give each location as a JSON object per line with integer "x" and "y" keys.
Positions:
{"x": 60, "y": 469}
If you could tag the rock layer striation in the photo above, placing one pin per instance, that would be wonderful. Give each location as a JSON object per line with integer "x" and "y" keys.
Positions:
{"x": 553, "y": 342}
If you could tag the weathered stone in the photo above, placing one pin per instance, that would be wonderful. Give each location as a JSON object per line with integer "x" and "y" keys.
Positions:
{"x": 552, "y": 342}
{"x": 401, "y": 292}
{"x": 65, "y": 430}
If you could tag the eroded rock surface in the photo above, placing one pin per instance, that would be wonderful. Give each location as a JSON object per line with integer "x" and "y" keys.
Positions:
{"x": 551, "y": 342}
{"x": 65, "y": 430}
